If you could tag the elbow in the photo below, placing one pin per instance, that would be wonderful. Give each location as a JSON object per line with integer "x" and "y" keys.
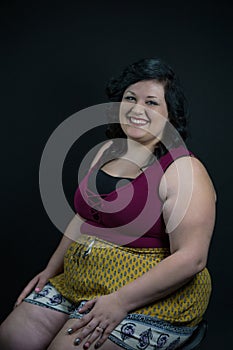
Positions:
{"x": 192, "y": 263}
{"x": 197, "y": 264}
{"x": 200, "y": 265}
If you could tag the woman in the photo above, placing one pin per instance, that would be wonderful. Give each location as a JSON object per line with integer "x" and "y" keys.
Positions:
{"x": 134, "y": 274}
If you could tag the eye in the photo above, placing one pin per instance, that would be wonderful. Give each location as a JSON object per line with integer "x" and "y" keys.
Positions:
{"x": 129, "y": 98}
{"x": 152, "y": 103}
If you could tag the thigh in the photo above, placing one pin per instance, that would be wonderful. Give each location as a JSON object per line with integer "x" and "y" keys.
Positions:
{"x": 129, "y": 334}
{"x": 30, "y": 327}
{"x": 64, "y": 341}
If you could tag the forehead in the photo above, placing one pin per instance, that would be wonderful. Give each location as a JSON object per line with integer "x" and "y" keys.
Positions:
{"x": 146, "y": 88}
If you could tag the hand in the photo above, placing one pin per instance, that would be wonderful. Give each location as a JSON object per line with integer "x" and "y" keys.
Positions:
{"x": 38, "y": 282}
{"x": 106, "y": 313}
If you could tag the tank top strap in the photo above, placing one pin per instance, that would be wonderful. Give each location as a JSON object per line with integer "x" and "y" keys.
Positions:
{"x": 174, "y": 154}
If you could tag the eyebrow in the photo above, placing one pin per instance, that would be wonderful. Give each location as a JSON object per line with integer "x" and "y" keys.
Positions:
{"x": 147, "y": 96}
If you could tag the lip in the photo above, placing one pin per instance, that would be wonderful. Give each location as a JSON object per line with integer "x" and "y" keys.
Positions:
{"x": 137, "y": 121}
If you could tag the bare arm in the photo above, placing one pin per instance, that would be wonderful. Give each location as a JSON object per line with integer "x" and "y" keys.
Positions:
{"x": 189, "y": 236}
{"x": 55, "y": 264}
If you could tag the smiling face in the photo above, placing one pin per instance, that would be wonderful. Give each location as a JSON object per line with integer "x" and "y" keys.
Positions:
{"x": 143, "y": 112}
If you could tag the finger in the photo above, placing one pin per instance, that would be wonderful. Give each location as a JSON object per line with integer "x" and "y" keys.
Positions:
{"x": 79, "y": 323}
{"x": 96, "y": 334}
{"x": 104, "y": 337}
{"x": 26, "y": 291}
{"x": 40, "y": 285}
{"x": 88, "y": 305}
{"x": 86, "y": 332}
{"x": 90, "y": 333}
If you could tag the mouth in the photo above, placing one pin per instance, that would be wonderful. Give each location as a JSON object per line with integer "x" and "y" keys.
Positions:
{"x": 137, "y": 121}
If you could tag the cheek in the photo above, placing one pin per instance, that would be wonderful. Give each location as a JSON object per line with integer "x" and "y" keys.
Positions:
{"x": 158, "y": 123}
{"x": 125, "y": 107}
{"x": 122, "y": 119}
{"x": 163, "y": 111}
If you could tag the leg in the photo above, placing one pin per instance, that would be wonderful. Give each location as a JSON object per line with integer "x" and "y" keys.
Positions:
{"x": 30, "y": 327}
{"x": 63, "y": 341}
{"x": 145, "y": 336}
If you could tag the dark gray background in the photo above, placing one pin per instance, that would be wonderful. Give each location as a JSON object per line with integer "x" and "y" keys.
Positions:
{"x": 55, "y": 61}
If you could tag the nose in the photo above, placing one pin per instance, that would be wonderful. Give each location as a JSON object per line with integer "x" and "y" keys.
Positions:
{"x": 137, "y": 109}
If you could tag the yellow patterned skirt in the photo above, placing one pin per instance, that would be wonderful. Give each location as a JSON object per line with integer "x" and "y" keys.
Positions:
{"x": 93, "y": 267}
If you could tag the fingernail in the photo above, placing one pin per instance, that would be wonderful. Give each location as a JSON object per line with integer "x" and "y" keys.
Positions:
{"x": 37, "y": 289}
{"x": 70, "y": 330}
{"x": 97, "y": 345}
{"x": 86, "y": 346}
{"x": 77, "y": 341}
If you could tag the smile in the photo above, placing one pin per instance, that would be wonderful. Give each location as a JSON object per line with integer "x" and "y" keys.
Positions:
{"x": 138, "y": 121}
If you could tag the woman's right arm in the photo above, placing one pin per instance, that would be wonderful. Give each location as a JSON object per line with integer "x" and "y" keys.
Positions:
{"x": 56, "y": 262}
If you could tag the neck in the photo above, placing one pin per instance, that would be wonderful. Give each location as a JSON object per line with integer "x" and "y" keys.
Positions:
{"x": 138, "y": 153}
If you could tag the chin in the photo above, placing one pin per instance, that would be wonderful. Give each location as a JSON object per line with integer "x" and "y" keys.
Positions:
{"x": 135, "y": 133}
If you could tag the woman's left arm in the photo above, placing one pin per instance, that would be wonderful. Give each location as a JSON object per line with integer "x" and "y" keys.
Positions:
{"x": 189, "y": 214}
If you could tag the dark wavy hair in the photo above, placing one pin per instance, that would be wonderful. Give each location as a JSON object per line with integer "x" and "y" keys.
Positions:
{"x": 148, "y": 69}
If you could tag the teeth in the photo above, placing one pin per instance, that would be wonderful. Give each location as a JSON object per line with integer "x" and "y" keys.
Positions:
{"x": 138, "y": 121}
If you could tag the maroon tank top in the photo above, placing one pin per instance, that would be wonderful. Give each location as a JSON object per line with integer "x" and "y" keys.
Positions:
{"x": 131, "y": 215}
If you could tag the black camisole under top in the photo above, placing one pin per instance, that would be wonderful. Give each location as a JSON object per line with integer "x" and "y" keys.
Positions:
{"x": 105, "y": 183}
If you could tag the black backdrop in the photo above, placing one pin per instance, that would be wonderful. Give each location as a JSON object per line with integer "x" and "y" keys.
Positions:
{"x": 55, "y": 61}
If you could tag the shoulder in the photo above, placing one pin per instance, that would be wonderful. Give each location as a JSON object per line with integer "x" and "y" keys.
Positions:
{"x": 190, "y": 197}
{"x": 103, "y": 148}
{"x": 186, "y": 171}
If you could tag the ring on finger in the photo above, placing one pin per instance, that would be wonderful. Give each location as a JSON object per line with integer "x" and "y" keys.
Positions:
{"x": 99, "y": 329}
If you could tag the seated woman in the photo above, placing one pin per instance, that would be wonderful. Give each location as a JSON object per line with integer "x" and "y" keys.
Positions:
{"x": 130, "y": 271}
